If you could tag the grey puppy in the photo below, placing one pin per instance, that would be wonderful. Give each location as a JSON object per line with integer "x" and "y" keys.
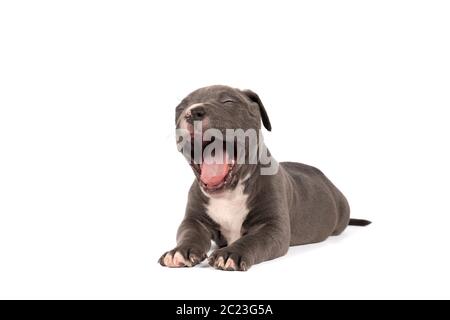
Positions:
{"x": 251, "y": 217}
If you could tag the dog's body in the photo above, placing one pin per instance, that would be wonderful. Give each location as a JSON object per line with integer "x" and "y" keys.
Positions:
{"x": 252, "y": 217}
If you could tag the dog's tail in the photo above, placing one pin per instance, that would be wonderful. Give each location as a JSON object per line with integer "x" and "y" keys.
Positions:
{"x": 359, "y": 222}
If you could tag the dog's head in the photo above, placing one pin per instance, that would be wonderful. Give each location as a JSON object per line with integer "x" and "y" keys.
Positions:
{"x": 218, "y": 131}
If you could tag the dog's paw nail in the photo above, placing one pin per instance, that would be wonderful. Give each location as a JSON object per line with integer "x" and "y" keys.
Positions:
{"x": 220, "y": 263}
{"x": 178, "y": 259}
{"x": 230, "y": 265}
{"x": 167, "y": 260}
{"x": 194, "y": 259}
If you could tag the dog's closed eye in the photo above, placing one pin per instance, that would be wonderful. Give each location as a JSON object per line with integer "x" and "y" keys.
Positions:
{"x": 228, "y": 101}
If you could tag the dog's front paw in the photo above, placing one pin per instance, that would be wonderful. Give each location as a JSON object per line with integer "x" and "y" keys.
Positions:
{"x": 229, "y": 260}
{"x": 181, "y": 257}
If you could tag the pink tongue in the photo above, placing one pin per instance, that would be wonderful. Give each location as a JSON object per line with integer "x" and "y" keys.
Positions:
{"x": 213, "y": 173}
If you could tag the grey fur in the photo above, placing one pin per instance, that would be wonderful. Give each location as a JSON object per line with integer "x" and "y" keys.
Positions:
{"x": 296, "y": 206}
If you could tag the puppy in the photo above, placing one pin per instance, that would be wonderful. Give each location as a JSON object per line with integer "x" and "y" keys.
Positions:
{"x": 250, "y": 205}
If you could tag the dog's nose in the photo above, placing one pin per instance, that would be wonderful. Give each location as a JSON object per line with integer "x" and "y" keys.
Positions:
{"x": 197, "y": 113}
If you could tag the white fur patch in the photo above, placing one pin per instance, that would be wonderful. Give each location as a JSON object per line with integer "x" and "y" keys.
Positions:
{"x": 229, "y": 210}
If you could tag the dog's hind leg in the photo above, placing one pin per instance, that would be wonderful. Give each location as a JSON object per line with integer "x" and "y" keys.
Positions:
{"x": 343, "y": 216}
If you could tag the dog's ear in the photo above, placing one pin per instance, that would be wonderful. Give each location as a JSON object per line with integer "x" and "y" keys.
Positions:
{"x": 264, "y": 117}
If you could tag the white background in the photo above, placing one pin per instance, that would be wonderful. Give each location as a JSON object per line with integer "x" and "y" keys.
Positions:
{"x": 92, "y": 188}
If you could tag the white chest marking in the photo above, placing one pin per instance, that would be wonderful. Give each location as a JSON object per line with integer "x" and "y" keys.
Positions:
{"x": 229, "y": 211}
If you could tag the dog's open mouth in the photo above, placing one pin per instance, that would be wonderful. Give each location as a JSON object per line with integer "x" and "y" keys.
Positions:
{"x": 215, "y": 172}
